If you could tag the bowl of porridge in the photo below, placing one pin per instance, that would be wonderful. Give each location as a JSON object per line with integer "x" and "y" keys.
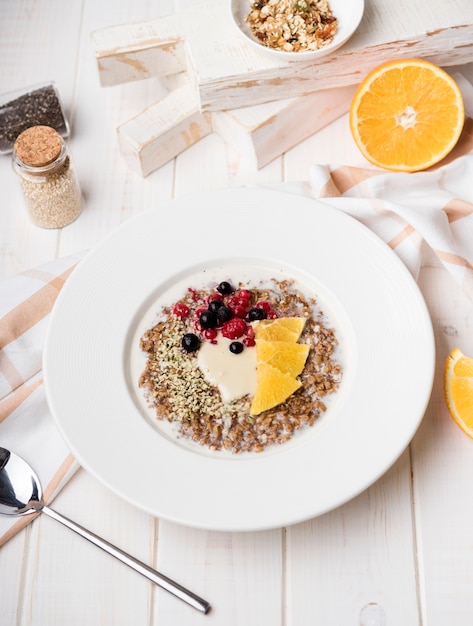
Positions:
{"x": 280, "y": 379}
{"x": 296, "y": 30}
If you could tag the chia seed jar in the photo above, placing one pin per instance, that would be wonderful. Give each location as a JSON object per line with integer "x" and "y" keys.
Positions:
{"x": 48, "y": 180}
{"x": 38, "y": 105}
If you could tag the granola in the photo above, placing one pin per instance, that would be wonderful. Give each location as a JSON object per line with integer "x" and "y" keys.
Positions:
{"x": 292, "y": 25}
{"x": 178, "y": 392}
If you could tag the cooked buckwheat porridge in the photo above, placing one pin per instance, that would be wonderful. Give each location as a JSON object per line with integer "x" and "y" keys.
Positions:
{"x": 203, "y": 374}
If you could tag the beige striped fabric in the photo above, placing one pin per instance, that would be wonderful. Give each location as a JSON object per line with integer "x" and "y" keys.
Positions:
{"x": 424, "y": 216}
{"x": 26, "y": 426}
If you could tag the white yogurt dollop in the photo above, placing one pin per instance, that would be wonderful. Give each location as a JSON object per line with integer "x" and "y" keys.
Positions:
{"x": 233, "y": 374}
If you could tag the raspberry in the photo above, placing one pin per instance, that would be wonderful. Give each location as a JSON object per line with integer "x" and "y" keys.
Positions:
{"x": 265, "y": 305}
{"x": 249, "y": 342}
{"x": 239, "y": 311}
{"x": 234, "y": 328}
{"x": 244, "y": 294}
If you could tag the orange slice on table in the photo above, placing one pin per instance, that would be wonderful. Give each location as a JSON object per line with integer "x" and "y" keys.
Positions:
{"x": 406, "y": 115}
{"x": 458, "y": 387}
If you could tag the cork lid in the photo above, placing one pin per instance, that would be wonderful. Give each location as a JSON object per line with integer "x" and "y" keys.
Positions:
{"x": 38, "y": 146}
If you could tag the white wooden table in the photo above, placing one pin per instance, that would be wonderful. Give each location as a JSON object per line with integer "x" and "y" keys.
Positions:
{"x": 398, "y": 554}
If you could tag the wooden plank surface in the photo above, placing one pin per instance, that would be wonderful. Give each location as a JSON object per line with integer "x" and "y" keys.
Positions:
{"x": 400, "y": 553}
{"x": 229, "y": 73}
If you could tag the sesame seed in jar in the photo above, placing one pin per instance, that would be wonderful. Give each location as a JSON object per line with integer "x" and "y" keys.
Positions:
{"x": 47, "y": 178}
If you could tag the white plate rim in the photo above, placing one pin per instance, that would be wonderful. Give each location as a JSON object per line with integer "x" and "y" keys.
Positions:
{"x": 104, "y": 430}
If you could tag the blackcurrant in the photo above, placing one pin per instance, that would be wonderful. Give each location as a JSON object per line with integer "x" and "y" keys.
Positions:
{"x": 190, "y": 342}
{"x": 208, "y": 319}
{"x": 236, "y": 347}
{"x": 224, "y": 313}
{"x": 215, "y": 305}
{"x": 225, "y": 288}
{"x": 257, "y": 314}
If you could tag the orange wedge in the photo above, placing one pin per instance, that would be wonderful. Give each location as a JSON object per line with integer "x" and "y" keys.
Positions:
{"x": 286, "y": 356}
{"x": 406, "y": 115}
{"x": 280, "y": 329}
{"x": 272, "y": 388}
{"x": 458, "y": 387}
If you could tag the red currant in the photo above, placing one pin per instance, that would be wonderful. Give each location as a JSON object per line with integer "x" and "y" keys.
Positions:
{"x": 181, "y": 310}
{"x": 215, "y": 296}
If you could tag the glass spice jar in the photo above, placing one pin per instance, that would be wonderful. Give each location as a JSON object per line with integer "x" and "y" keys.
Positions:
{"x": 47, "y": 177}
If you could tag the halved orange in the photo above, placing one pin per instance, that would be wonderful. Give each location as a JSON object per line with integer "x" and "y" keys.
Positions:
{"x": 272, "y": 388}
{"x": 407, "y": 115}
{"x": 458, "y": 387}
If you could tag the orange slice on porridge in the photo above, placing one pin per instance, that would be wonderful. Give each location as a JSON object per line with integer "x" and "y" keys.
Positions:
{"x": 286, "y": 356}
{"x": 273, "y": 387}
{"x": 280, "y": 329}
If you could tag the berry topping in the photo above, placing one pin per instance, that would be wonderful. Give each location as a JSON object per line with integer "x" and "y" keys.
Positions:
{"x": 256, "y": 313}
{"x": 225, "y": 288}
{"x": 210, "y": 334}
{"x": 208, "y": 319}
{"x": 239, "y": 311}
{"x": 215, "y": 296}
{"x": 249, "y": 341}
{"x": 234, "y": 328}
{"x": 244, "y": 294}
{"x": 181, "y": 310}
{"x": 265, "y": 305}
{"x": 224, "y": 314}
{"x": 190, "y": 342}
{"x": 236, "y": 347}
{"x": 214, "y": 305}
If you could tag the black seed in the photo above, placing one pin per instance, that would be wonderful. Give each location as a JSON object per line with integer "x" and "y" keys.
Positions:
{"x": 208, "y": 319}
{"x": 224, "y": 313}
{"x": 215, "y": 304}
{"x": 225, "y": 288}
{"x": 190, "y": 342}
{"x": 236, "y": 347}
{"x": 257, "y": 314}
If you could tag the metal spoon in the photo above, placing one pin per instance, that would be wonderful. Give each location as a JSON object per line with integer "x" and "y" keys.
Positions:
{"x": 21, "y": 493}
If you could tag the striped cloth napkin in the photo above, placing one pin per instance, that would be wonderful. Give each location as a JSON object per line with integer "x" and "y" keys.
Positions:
{"x": 414, "y": 213}
{"x": 26, "y": 426}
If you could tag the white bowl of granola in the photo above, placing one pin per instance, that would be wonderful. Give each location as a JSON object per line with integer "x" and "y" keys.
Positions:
{"x": 297, "y": 30}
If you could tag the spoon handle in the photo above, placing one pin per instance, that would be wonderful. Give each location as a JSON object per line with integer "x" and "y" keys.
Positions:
{"x": 159, "y": 579}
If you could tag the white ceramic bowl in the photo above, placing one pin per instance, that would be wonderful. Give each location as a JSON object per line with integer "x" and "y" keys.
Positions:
{"x": 347, "y": 12}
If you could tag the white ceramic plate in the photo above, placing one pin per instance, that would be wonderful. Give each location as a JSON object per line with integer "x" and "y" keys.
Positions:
{"x": 347, "y": 12}
{"x": 383, "y": 326}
